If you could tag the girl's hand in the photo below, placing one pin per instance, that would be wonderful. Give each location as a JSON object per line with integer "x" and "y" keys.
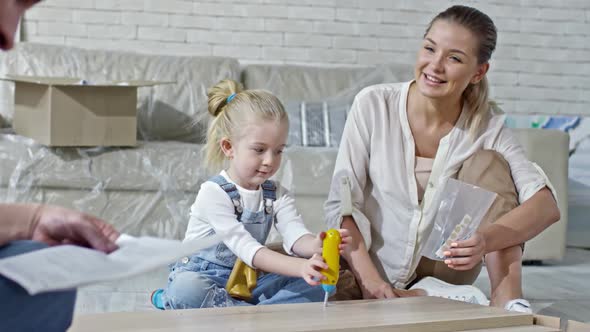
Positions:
{"x": 310, "y": 270}
{"x": 465, "y": 255}
{"x": 319, "y": 243}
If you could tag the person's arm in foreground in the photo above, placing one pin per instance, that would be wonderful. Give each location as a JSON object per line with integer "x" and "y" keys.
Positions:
{"x": 55, "y": 225}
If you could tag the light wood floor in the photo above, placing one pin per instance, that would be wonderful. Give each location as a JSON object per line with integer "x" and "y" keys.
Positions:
{"x": 556, "y": 288}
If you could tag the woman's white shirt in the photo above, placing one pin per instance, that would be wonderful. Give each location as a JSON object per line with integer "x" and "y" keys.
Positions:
{"x": 377, "y": 154}
{"x": 213, "y": 212}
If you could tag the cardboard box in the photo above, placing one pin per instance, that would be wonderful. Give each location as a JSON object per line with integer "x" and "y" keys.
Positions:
{"x": 72, "y": 112}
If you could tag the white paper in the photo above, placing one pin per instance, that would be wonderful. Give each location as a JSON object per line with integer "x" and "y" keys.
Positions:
{"x": 67, "y": 266}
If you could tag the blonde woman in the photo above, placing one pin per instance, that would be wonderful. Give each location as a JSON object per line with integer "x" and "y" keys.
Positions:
{"x": 402, "y": 141}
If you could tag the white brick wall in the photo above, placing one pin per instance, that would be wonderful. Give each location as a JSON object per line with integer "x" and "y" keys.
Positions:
{"x": 542, "y": 63}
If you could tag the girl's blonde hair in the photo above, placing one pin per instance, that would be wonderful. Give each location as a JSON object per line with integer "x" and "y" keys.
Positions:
{"x": 476, "y": 95}
{"x": 233, "y": 108}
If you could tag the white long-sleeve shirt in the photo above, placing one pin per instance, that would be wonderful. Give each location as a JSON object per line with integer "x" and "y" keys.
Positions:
{"x": 214, "y": 211}
{"x": 377, "y": 153}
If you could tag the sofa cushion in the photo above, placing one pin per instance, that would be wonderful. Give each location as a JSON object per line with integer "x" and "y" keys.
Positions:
{"x": 300, "y": 82}
{"x": 307, "y": 171}
{"x": 313, "y": 84}
{"x": 318, "y": 99}
{"x": 290, "y": 82}
{"x": 165, "y": 112}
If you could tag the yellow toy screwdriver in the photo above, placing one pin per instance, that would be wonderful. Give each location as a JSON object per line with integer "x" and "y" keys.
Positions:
{"x": 331, "y": 255}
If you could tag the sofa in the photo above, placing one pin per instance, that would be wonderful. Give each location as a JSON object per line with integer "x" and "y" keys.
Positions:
{"x": 148, "y": 189}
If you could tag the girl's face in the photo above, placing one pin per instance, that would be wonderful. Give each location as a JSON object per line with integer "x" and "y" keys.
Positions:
{"x": 447, "y": 61}
{"x": 256, "y": 155}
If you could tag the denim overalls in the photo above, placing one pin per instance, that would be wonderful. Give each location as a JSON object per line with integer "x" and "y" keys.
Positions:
{"x": 199, "y": 281}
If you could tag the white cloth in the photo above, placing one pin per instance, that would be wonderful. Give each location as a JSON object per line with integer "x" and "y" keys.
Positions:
{"x": 377, "y": 153}
{"x": 66, "y": 266}
{"x": 213, "y": 211}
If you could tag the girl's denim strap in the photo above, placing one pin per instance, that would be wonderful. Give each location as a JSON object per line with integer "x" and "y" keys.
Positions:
{"x": 232, "y": 191}
{"x": 269, "y": 193}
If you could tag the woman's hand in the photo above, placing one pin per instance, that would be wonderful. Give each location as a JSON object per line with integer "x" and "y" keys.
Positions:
{"x": 377, "y": 289}
{"x": 311, "y": 270}
{"x": 346, "y": 240}
{"x": 465, "y": 255}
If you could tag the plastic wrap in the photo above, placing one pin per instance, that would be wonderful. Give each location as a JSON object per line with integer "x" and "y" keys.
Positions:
{"x": 462, "y": 207}
{"x": 146, "y": 190}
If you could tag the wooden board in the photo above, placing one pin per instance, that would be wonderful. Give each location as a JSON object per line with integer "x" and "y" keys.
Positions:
{"x": 402, "y": 314}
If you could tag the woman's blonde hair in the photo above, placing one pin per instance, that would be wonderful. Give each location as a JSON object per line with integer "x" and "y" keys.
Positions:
{"x": 233, "y": 108}
{"x": 476, "y": 95}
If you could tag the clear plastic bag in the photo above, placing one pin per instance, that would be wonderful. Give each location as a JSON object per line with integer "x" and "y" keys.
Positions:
{"x": 461, "y": 209}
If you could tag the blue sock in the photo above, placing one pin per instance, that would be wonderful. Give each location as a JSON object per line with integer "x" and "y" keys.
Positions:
{"x": 156, "y": 299}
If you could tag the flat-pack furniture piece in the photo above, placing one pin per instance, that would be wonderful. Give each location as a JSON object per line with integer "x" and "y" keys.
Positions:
{"x": 423, "y": 314}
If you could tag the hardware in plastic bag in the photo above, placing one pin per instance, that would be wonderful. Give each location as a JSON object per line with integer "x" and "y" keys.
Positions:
{"x": 461, "y": 209}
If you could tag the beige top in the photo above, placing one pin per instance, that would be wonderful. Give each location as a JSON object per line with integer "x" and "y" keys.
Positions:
{"x": 422, "y": 170}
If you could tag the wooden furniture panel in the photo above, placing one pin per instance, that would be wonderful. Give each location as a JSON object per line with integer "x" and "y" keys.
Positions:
{"x": 403, "y": 314}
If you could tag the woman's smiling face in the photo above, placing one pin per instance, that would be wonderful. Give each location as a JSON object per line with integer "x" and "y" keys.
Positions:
{"x": 447, "y": 61}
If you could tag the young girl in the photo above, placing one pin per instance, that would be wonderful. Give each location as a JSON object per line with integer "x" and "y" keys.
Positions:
{"x": 249, "y": 132}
